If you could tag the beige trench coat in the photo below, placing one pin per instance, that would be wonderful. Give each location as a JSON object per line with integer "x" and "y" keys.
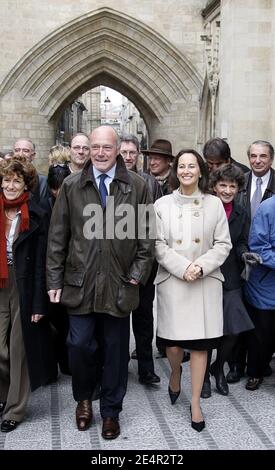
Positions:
{"x": 190, "y": 229}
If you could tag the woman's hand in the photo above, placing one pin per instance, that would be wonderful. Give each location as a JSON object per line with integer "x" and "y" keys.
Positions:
{"x": 36, "y": 317}
{"x": 192, "y": 273}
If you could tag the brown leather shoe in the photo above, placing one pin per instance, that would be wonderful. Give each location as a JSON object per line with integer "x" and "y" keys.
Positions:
{"x": 110, "y": 428}
{"x": 84, "y": 415}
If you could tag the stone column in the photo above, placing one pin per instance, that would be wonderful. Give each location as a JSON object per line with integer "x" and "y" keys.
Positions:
{"x": 245, "y": 97}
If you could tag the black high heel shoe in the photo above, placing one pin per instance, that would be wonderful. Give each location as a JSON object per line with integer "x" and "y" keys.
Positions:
{"x": 174, "y": 395}
{"x": 198, "y": 426}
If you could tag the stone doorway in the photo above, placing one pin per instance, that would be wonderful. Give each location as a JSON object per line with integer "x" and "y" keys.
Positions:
{"x": 108, "y": 48}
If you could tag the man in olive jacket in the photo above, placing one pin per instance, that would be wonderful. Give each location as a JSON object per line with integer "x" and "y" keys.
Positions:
{"x": 99, "y": 250}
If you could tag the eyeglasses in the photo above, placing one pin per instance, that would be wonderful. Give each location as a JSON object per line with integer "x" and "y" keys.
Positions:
{"x": 131, "y": 153}
{"x": 77, "y": 148}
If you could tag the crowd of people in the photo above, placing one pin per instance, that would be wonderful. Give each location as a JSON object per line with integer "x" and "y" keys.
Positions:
{"x": 98, "y": 237}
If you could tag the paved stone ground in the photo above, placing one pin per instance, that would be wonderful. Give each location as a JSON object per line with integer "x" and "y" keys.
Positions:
{"x": 243, "y": 420}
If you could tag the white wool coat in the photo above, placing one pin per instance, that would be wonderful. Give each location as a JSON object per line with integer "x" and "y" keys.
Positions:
{"x": 190, "y": 229}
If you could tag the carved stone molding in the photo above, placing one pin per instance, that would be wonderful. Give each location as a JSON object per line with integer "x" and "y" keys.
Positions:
{"x": 212, "y": 48}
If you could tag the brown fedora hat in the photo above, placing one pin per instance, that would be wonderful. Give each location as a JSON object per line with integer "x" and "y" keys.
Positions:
{"x": 161, "y": 147}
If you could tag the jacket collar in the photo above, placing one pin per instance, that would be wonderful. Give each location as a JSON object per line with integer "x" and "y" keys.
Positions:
{"x": 122, "y": 175}
{"x": 270, "y": 185}
{"x": 236, "y": 211}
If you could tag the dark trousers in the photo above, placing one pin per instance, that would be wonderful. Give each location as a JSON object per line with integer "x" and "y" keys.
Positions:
{"x": 99, "y": 339}
{"x": 238, "y": 353}
{"x": 261, "y": 341}
{"x": 60, "y": 321}
{"x": 143, "y": 327}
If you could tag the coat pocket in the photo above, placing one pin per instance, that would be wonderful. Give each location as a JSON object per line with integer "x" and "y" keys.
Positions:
{"x": 73, "y": 290}
{"x": 128, "y": 297}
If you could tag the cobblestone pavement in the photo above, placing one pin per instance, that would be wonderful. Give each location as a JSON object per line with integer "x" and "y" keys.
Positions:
{"x": 243, "y": 420}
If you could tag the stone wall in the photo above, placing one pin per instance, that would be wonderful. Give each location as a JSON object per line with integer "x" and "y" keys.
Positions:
{"x": 247, "y": 73}
{"x": 52, "y": 51}
{"x": 149, "y": 51}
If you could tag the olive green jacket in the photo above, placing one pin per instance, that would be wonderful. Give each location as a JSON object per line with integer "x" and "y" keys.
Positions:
{"x": 93, "y": 269}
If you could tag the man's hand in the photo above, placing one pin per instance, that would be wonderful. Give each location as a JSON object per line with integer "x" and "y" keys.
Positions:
{"x": 134, "y": 282}
{"x": 54, "y": 295}
{"x": 192, "y": 273}
{"x": 36, "y": 317}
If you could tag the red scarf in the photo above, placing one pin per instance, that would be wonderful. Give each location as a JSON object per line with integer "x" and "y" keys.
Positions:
{"x": 21, "y": 203}
{"x": 228, "y": 207}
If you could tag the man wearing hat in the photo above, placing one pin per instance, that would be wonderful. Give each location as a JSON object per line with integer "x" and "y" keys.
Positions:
{"x": 160, "y": 157}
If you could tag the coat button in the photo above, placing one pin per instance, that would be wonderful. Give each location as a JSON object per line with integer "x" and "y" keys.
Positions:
{"x": 178, "y": 242}
{"x": 196, "y": 214}
{"x": 196, "y": 202}
{"x": 197, "y": 240}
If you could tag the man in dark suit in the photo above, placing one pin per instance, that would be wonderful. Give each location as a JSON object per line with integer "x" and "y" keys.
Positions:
{"x": 261, "y": 155}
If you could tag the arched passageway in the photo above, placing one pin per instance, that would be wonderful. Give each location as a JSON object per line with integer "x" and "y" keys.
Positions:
{"x": 107, "y": 48}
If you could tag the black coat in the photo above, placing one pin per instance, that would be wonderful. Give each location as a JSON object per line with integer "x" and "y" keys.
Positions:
{"x": 243, "y": 167}
{"x": 29, "y": 251}
{"x": 239, "y": 231}
{"x": 243, "y": 196}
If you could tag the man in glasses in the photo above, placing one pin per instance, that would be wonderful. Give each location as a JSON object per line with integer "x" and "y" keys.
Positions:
{"x": 80, "y": 152}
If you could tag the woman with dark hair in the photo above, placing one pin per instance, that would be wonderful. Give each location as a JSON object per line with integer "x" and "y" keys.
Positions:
{"x": 192, "y": 242}
{"x": 26, "y": 358}
{"x": 225, "y": 184}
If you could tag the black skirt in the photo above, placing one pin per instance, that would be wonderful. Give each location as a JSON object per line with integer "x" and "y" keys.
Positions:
{"x": 235, "y": 316}
{"x": 191, "y": 344}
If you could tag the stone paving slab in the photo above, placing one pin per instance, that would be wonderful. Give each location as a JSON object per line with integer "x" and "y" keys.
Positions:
{"x": 243, "y": 420}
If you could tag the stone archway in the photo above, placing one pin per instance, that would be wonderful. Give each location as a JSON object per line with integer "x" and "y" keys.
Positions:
{"x": 102, "y": 47}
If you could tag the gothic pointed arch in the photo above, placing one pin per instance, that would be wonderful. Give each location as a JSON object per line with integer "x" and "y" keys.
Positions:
{"x": 109, "y": 48}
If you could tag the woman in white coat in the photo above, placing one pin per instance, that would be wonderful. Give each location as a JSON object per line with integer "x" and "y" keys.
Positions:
{"x": 192, "y": 243}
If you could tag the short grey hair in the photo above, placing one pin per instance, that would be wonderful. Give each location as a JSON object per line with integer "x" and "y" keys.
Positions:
{"x": 262, "y": 142}
{"x": 130, "y": 138}
{"x": 27, "y": 139}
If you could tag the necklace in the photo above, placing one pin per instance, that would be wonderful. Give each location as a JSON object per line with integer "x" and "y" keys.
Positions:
{"x": 10, "y": 218}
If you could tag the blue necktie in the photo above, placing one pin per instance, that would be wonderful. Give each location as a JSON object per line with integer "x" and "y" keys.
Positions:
{"x": 257, "y": 197}
{"x": 103, "y": 190}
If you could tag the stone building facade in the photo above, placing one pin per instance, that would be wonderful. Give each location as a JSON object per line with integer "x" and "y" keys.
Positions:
{"x": 193, "y": 68}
